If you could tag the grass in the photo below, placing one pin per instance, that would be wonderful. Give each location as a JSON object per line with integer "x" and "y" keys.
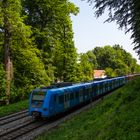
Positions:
{"x": 117, "y": 117}
{"x": 12, "y": 108}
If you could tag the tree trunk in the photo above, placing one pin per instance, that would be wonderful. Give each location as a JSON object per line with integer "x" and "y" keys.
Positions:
{"x": 7, "y": 58}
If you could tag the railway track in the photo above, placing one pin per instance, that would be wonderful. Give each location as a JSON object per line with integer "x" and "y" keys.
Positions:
{"x": 27, "y": 128}
{"x": 54, "y": 123}
{"x": 13, "y": 117}
{"x": 20, "y": 130}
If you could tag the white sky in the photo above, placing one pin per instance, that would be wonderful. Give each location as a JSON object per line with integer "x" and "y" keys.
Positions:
{"x": 90, "y": 32}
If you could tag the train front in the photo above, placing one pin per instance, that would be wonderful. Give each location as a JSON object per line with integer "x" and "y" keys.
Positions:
{"x": 37, "y": 103}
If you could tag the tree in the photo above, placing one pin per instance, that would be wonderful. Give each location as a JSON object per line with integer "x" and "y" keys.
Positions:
{"x": 52, "y": 30}
{"x": 115, "y": 60}
{"x": 104, "y": 56}
{"x": 110, "y": 72}
{"x": 67, "y": 53}
{"x": 126, "y": 57}
{"x": 92, "y": 59}
{"x": 14, "y": 32}
{"x": 86, "y": 68}
{"x": 126, "y": 13}
{"x": 18, "y": 49}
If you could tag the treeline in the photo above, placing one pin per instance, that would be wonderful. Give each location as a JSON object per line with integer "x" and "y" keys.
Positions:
{"x": 37, "y": 49}
{"x": 114, "y": 60}
{"x": 126, "y": 14}
{"x": 36, "y": 45}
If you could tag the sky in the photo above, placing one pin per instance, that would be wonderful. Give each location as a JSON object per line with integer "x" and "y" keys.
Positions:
{"x": 90, "y": 32}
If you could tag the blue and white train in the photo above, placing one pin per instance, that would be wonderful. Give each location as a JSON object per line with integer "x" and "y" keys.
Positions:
{"x": 47, "y": 102}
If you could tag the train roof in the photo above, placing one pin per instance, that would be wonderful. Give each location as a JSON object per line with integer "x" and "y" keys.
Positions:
{"x": 72, "y": 86}
{"x": 109, "y": 80}
{"x": 69, "y": 85}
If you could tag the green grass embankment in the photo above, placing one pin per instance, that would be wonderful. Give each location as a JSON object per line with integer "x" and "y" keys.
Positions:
{"x": 117, "y": 117}
{"x": 12, "y": 108}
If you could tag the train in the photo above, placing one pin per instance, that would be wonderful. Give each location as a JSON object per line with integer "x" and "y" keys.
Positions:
{"x": 58, "y": 98}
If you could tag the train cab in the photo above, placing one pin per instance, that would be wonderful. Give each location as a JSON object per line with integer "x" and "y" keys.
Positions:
{"x": 41, "y": 103}
{"x": 37, "y": 99}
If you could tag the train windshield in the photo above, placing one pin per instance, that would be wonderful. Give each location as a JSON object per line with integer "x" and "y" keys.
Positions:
{"x": 38, "y": 95}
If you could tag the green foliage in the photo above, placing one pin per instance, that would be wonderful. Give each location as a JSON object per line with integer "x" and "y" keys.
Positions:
{"x": 116, "y": 117}
{"x": 92, "y": 59}
{"x": 104, "y": 56}
{"x": 52, "y": 28}
{"x": 115, "y": 60}
{"x": 13, "y": 108}
{"x": 20, "y": 32}
{"x": 14, "y": 35}
{"x": 86, "y": 67}
{"x": 109, "y": 72}
{"x": 65, "y": 61}
{"x": 126, "y": 13}
{"x": 31, "y": 70}
{"x": 39, "y": 31}
{"x": 41, "y": 47}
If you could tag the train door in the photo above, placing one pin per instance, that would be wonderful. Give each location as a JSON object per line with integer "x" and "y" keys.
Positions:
{"x": 53, "y": 104}
{"x": 95, "y": 90}
{"x": 106, "y": 86}
{"x": 60, "y": 103}
{"x": 115, "y": 83}
{"x": 120, "y": 82}
{"x": 56, "y": 103}
{"x": 90, "y": 93}
{"x": 66, "y": 100}
{"x": 81, "y": 95}
{"x": 98, "y": 89}
{"x": 86, "y": 92}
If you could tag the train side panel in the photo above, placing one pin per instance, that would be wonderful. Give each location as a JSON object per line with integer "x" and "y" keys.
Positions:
{"x": 55, "y": 101}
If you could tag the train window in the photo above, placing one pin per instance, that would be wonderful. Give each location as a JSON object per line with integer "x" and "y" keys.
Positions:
{"x": 114, "y": 83}
{"x": 101, "y": 88}
{"x": 111, "y": 84}
{"x": 105, "y": 86}
{"x": 71, "y": 96}
{"x": 95, "y": 89}
{"x": 76, "y": 94}
{"x": 55, "y": 100}
{"x": 90, "y": 90}
{"x": 81, "y": 92}
{"x": 67, "y": 95}
{"x": 61, "y": 99}
{"x": 38, "y": 96}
